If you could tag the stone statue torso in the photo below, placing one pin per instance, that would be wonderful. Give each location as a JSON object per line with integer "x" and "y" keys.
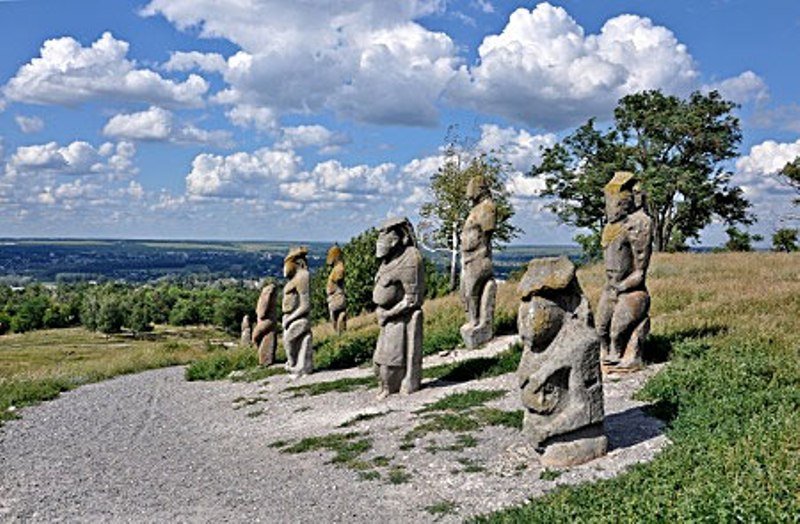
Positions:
{"x": 291, "y": 292}
{"x": 476, "y": 241}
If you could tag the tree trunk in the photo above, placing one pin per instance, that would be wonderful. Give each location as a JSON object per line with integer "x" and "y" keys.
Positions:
{"x": 454, "y": 260}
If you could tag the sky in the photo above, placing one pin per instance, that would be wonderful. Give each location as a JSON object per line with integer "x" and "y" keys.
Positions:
{"x": 314, "y": 120}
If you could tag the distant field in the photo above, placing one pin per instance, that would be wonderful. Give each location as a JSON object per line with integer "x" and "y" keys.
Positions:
{"x": 56, "y": 260}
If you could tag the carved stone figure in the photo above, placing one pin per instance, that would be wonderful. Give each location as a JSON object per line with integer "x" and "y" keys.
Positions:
{"x": 337, "y": 302}
{"x": 559, "y": 373}
{"x": 265, "y": 332}
{"x": 623, "y": 315}
{"x": 247, "y": 332}
{"x": 399, "y": 292}
{"x": 478, "y": 287}
{"x": 296, "y": 312}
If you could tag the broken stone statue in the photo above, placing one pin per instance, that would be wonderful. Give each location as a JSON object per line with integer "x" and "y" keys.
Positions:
{"x": 247, "y": 332}
{"x": 265, "y": 331}
{"x": 399, "y": 293}
{"x": 478, "y": 287}
{"x": 623, "y": 315}
{"x": 296, "y": 314}
{"x": 559, "y": 373}
{"x": 337, "y": 302}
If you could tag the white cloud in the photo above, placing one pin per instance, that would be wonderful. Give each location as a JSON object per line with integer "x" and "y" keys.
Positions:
{"x": 483, "y": 5}
{"x": 250, "y": 116}
{"x": 542, "y": 69}
{"x": 157, "y": 124}
{"x": 517, "y": 147}
{"x": 757, "y": 174}
{"x": 187, "y": 61}
{"x": 318, "y": 136}
{"x": 366, "y": 60}
{"x": 67, "y": 73}
{"x": 241, "y": 174}
{"x": 29, "y": 124}
{"x": 76, "y": 159}
{"x": 747, "y": 87}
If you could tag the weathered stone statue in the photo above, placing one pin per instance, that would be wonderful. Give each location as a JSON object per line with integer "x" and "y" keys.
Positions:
{"x": 623, "y": 320}
{"x": 264, "y": 334}
{"x": 399, "y": 292}
{"x": 247, "y": 332}
{"x": 559, "y": 372}
{"x": 478, "y": 287}
{"x": 296, "y": 311}
{"x": 337, "y": 302}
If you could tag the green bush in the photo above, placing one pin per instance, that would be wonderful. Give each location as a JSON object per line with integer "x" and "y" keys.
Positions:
{"x": 220, "y": 365}
{"x": 351, "y": 349}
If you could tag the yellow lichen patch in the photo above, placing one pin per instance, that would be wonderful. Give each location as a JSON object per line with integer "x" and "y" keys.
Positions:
{"x": 623, "y": 182}
{"x": 611, "y": 232}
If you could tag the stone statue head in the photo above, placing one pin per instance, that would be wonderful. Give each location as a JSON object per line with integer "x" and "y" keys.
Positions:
{"x": 334, "y": 255}
{"x": 477, "y": 188}
{"x": 549, "y": 291}
{"x": 394, "y": 236}
{"x": 294, "y": 260}
{"x": 619, "y": 195}
{"x": 639, "y": 197}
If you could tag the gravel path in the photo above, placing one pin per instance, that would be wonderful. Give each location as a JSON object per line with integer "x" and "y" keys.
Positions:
{"x": 153, "y": 447}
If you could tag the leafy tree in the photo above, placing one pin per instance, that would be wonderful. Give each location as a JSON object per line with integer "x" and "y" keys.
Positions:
{"x": 791, "y": 173}
{"x": 233, "y": 304}
{"x": 361, "y": 266}
{"x": 447, "y": 210}
{"x": 185, "y": 313}
{"x": 111, "y": 313}
{"x": 677, "y": 147}
{"x": 785, "y": 239}
{"x": 740, "y": 240}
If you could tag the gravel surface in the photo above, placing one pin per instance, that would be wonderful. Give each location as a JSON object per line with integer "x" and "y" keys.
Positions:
{"x": 153, "y": 447}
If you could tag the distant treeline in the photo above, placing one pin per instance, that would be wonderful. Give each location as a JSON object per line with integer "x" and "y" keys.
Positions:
{"x": 112, "y": 307}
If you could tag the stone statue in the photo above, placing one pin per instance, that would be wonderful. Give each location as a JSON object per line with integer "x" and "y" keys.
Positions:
{"x": 296, "y": 312}
{"x": 399, "y": 292}
{"x": 337, "y": 302}
{"x": 247, "y": 332}
{"x": 623, "y": 320}
{"x": 265, "y": 332}
{"x": 559, "y": 373}
{"x": 478, "y": 287}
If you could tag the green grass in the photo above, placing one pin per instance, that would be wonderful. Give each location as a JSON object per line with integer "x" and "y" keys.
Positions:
{"x": 342, "y": 385}
{"x": 362, "y": 417}
{"x": 470, "y": 466}
{"x": 440, "y": 509}
{"x": 39, "y": 365}
{"x": 464, "y": 401}
{"x": 347, "y": 447}
{"x": 398, "y": 475}
{"x": 550, "y": 474}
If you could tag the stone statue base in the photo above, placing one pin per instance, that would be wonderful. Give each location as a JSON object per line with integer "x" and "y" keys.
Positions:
{"x": 300, "y": 360}
{"x": 476, "y": 336}
{"x": 267, "y": 349}
{"x": 575, "y": 448}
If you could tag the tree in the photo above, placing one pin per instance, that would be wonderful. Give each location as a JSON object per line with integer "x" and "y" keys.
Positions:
{"x": 447, "y": 210}
{"x": 740, "y": 240}
{"x": 791, "y": 173}
{"x": 677, "y": 147}
{"x": 785, "y": 239}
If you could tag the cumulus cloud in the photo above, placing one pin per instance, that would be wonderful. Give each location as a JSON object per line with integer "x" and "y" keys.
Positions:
{"x": 366, "y": 60}
{"x": 66, "y": 73}
{"x": 29, "y": 124}
{"x": 249, "y": 116}
{"x": 318, "y": 136}
{"x": 241, "y": 174}
{"x": 544, "y": 70}
{"x": 757, "y": 174}
{"x": 747, "y": 87}
{"x": 157, "y": 124}
{"x": 76, "y": 159}
{"x": 187, "y": 61}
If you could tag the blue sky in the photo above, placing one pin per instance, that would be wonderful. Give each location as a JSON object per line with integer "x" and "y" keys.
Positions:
{"x": 312, "y": 120}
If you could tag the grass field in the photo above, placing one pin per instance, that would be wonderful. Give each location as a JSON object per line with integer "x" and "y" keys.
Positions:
{"x": 39, "y": 365}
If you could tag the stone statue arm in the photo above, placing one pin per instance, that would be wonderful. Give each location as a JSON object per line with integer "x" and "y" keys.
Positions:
{"x": 640, "y": 236}
{"x": 304, "y": 307}
{"x": 412, "y": 294}
{"x": 262, "y": 328}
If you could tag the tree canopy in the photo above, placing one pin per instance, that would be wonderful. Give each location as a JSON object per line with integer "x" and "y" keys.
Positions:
{"x": 678, "y": 148}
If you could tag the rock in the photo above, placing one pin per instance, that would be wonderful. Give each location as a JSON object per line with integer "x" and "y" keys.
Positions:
{"x": 296, "y": 314}
{"x": 478, "y": 287}
{"x": 337, "y": 301}
{"x": 245, "y": 339}
{"x": 399, "y": 293}
{"x": 559, "y": 373}
{"x": 623, "y": 316}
